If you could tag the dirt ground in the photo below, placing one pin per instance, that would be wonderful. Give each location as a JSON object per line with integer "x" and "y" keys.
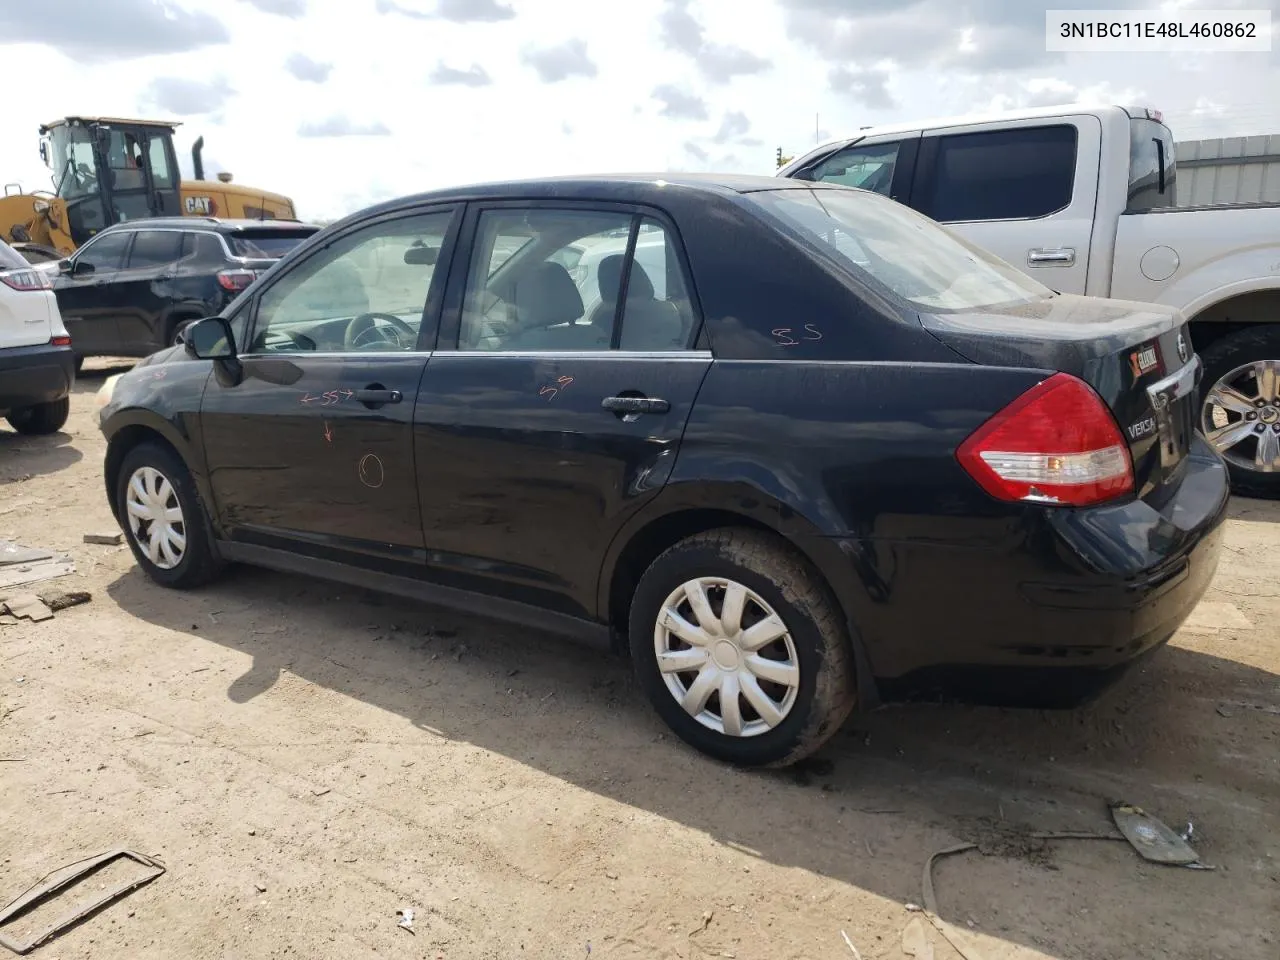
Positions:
{"x": 307, "y": 760}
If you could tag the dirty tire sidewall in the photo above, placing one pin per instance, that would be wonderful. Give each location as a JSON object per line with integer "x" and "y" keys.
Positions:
{"x": 1219, "y": 359}
{"x": 773, "y": 570}
{"x": 42, "y": 419}
{"x": 199, "y": 564}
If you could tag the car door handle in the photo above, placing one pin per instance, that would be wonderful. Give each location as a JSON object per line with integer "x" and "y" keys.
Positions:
{"x": 636, "y": 405}
{"x": 1055, "y": 257}
{"x": 378, "y": 395}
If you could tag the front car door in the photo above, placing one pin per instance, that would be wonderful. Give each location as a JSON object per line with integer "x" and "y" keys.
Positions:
{"x": 142, "y": 289}
{"x": 139, "y": 173}
{"x": 310, "y": 448}
{"x": 1025, "y": 191}
{"x": 555, "y": 404}
{"x": 87, "y": 296}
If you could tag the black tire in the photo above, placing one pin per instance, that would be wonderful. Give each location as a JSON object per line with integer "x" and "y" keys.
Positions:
{"x": 41, "y": 419}
{"x": 198, "y": 564}
{"x": 1219, "y": 359}
{"x": 79, "y": 364}
{"x": 785, "y": 581}
{"x": 179, "y": 328}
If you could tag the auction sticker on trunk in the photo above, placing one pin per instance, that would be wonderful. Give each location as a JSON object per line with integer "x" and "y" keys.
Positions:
{"x": 1144, "y": 359}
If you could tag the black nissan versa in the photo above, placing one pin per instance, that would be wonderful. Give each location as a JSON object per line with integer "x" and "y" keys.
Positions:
{"x": 794, "y": 447}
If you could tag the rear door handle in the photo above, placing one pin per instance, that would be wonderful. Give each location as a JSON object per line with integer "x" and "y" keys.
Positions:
{"x": 636, "y": 405}
{"x": 378, "y": 395}
{"x": 1051, "y": 257}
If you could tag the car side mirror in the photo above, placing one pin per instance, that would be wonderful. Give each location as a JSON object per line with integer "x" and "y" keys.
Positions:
{"x": 64, "y": 266}
{"x": 210, "y": 339}
{"x": 81, "y": 268}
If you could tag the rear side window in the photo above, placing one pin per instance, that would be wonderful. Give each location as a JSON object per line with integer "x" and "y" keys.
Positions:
{"x": 1014, "y": 174}
{"x": 1151, "y": 166}
{"x": 155, "y": 248}
{"x": 202, "y": 248}
{"x": 266, "y": 245}
{"x": 889, "y": 245}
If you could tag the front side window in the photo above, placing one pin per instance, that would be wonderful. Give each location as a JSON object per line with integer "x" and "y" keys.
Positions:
{"x": 124, "y": 161}
{"x": 892, "y": 246}
{"x": 866, "y": 167}
{"x": 74, "y": 166}
{"x": 366, "y": 292}
{"x": 1016, "y": 174}
{"x": 560, "y": 278}
{"x": 106, "y": 252}
{"x": 155, "y": 248}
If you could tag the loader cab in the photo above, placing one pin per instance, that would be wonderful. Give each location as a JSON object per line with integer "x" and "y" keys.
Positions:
{"x": 111, "y": 171}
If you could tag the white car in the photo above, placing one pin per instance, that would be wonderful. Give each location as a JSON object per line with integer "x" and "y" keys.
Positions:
{"x": 37, "y": 366}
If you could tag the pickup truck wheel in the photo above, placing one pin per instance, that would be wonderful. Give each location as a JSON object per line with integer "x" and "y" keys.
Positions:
{"x": 43, "y": 418}
{"x": 163, "y": 518}
{"x": 740, "y": 649}
{"x": 1240, "y": 414}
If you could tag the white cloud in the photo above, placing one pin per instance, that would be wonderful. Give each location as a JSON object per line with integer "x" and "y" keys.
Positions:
{"x": 571, "y": 86}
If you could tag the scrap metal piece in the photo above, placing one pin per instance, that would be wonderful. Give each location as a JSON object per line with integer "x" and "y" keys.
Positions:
{"x": 44, "y": 889}
{"x": 27, "y": 605}
{"x": 1152, "y": 839}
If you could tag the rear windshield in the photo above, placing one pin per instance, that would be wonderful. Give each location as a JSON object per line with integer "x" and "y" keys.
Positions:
{"x": 10, "y": 258}
{"x": 895, "y": 247}
{"x": 272, "y": 244}
{"x": 1151, "y": 166}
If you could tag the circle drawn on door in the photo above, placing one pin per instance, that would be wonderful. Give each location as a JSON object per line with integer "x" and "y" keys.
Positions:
{"x": 372, "y": 474}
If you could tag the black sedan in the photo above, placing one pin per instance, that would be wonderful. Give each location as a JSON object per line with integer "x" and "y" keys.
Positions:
{"x": 794, "y": 447}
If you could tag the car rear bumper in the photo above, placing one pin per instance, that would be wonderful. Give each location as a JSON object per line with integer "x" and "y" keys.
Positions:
{"x": 40, "y": 374}
{"x": 1055, "y": 614}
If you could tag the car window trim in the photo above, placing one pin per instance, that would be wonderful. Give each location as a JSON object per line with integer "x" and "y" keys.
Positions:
{"x": 447, "y": 247}
{"x": 450, "y": 327}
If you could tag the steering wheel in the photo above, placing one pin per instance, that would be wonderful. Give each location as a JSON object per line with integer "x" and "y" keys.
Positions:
{"x": 365, "y": 323}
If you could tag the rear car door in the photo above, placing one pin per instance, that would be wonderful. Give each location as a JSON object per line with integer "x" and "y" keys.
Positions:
{"x": 142, "y": 288}
{"x": 554, "y": 406}
{"x": 310, "y": 449}
{"x": 87, "y": 297}
{"x": 1024, "y": 191}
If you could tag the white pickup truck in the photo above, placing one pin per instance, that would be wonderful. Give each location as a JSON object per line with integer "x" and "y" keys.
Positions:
{"x": 1082, "y": 198}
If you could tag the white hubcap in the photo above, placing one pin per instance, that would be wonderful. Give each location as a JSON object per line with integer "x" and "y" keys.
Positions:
{"x": 155, "y": 517}
{"x": 727, "y": 657}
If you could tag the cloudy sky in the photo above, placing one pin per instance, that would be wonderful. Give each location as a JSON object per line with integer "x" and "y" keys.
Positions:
{"x": 339, "y": 103}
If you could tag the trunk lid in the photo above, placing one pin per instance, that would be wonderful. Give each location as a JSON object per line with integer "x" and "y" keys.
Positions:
{"x": 27, "y": 307}
{"x": 1137, "y": 356}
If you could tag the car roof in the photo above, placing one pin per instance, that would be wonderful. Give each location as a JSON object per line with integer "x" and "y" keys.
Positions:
{"x": 604, "y": 186}
{"x": 214, "y": 224}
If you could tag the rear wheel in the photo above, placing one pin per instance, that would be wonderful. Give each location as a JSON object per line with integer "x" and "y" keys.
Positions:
{"x": 178, "y": 329}
{"x": 1240, "y": 414}
{"x": 43, "y": 418}
{"x": 740, "y": 649}
{"x": 163, "y": 518}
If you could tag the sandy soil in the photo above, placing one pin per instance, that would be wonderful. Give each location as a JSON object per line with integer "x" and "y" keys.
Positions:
{"x": 308, "y": 759}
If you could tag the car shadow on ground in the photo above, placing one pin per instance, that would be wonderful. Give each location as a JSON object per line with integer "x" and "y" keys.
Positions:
{"x": 1245, "y": 508}
{"x": 891, "y": 789}
{"x": 23, "y": 457}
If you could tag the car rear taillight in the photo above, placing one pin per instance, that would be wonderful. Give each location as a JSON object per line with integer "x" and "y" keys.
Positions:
{"x": 235, "y": 280}
{"x": 61, "y": 340}
{"x": 26, "y": 280}
{"x": 1056, "y": 444}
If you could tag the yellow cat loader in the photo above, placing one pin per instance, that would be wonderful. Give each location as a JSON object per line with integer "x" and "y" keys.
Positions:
{"x": 108, "y": 170}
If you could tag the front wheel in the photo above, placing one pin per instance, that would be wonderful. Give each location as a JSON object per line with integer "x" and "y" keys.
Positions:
{"x": 41, "y": 419}
{"x": 1240, "y": 414}
{"x": 740, "y": 649}
{"x": 163, "y": 518}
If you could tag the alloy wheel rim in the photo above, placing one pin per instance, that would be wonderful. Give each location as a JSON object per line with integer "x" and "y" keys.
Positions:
{"x": 155, "y": 517}
{"x": 727, "y": 657}
{"x": 1241, "y": 416}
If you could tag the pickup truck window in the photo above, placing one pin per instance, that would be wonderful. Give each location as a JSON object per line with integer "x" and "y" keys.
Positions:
{"x": 897, "y": 248}
{"x": 869, "y": 167}
{"x": 1015, "y": 174}
{"x": 1151, "y": 166}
